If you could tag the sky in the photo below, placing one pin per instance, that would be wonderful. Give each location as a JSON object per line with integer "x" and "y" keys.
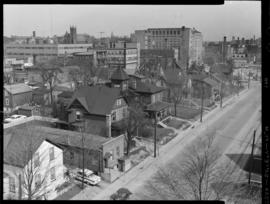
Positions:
{"x": 239, "y": 19}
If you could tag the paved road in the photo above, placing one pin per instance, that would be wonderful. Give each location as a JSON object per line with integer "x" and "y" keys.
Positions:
{"x": 231, "y": 121}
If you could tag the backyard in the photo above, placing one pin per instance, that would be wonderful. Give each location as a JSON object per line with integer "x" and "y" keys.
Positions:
{"x": 175, "y": 123}
{"x": 186, "y": 113}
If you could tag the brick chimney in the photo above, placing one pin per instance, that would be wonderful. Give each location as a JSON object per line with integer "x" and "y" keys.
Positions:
{"x": 108, "y": 125}
{"x": 34, "y": 34}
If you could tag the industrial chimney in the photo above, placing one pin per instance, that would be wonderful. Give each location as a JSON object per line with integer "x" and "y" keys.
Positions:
{"x": 34, "y": 34}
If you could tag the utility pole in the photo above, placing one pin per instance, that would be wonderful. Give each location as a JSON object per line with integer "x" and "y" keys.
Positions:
{"x": 252, "y": 150}
{"x": 221, "y": 95}
{"x": 248, "y": 79}
{"x": 202, "y": 94}
{"x": 155, "y": 136}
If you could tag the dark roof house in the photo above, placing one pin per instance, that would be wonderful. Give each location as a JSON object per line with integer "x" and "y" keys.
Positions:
{"x": 97, "y": 100}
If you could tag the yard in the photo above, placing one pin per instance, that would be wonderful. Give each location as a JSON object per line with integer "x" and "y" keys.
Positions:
{"x": 71, "y": 192}
{"x": 177, "y": 124}
{"x": 186, "y": 113}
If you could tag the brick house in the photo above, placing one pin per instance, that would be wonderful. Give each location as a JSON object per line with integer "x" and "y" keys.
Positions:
{"x": 16, "y": 95}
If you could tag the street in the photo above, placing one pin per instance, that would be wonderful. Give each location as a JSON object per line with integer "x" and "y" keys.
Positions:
{"x": 233, "y": 123}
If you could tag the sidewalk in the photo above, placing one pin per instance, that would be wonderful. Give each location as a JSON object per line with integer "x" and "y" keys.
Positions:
{"x": 147, "y": 167}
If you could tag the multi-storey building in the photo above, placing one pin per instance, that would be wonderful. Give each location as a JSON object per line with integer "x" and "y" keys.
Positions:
{"x": 41, "y": 52}
{"x": 187, "y": 40}
{"x": 120, "y": 54}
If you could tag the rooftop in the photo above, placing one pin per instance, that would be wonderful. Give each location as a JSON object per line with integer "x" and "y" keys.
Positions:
{"x": 21, "y": 137}
{"x": 158, "y": 106}
{"x": 98, "y": 100}
{"x": 119, "y": 74}
{"x": 17, "y": 88}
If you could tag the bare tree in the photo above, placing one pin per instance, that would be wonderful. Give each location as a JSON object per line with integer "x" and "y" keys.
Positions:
{"x": 199, "y": 176}
{"x": 177, "y": 90}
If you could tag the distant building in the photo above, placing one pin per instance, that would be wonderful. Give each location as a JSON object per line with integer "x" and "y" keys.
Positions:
{"x": 16, "y": 95}
{"x": 114, "y": 55}
{"x": 43, "y": 52}
{"x": 187, "y": 40}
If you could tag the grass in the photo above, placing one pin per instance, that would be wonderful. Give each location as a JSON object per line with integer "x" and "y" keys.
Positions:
{"x": 186, "y": 113}
{"x": 177, "y": 124}
{"x": 70, "y": 193}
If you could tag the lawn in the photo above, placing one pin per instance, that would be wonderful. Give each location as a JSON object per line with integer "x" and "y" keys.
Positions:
{"x": 186, "y": 113}
{"x": 70, "y": 193}
{"x": 177, "y": 124}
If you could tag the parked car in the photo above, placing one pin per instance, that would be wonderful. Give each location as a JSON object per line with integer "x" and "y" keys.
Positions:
{"x": 14, "y": 118}
{"x": 89, "y": 176}
{"x": 121, "y": 194}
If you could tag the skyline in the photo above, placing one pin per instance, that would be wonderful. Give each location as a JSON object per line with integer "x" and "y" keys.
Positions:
{"x": 239, "y": 19}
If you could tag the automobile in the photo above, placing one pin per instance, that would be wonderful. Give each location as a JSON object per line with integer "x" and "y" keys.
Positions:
{"x": 89, "y": 177}
{"x": 121, "y": 194}
{"x": 14, "y": 118}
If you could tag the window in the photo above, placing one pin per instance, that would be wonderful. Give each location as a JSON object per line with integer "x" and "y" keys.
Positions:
{"x": 12, "y": 185}
{"x": 36, "y": 160}
{"x": 52, "y": 171}
{"x": 78, "y": 115}
{"x": 112, "y": 154}
{"x": 51, "y": 153}
{"x": 37, "y": 180}
{"x": 71, "y": 154}
{"x": 7, "y": 101}
{"x": 118, "y": 102}
{"x": 118, "y": 151}
{"x": 113, "y": 116}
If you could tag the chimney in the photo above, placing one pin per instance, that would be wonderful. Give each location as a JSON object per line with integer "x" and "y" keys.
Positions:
{"x": 108, "y": 125}
{"x": 233, "y": 38}
{"x": 225, "y": 38}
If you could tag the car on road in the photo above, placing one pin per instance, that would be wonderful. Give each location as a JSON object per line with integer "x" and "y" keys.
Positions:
{"x": 121, "y": 194}
{"x": 14, "y": 118}
{"x": 89, "y": 176}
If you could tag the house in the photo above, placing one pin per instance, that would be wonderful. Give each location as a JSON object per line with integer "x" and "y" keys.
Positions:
{"x": 99, "y": 106}
{"x": 151, "y": 96}
{"x": 16, "y": 95}
{"x": 53, "y": 153}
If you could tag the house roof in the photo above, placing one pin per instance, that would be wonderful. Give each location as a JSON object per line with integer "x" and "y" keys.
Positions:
{"x": 198, "y": 77}
{"x": 98, "y": 100}
{"x": 17, "y": 88}
{"x": 171, "y": 75}
{"x": 66, "y": 94}
{"x": 41, "y": 90}
{"x": 146, "y": 87}
{"x": 21, "y": 136}
{"x": 119, "y": 74}
{"x": 105, "y": 73}
{"x": 211, "y": 82}
{"x": 221, "y": 68}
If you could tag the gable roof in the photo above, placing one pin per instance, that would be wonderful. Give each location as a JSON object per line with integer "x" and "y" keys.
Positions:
{"x": 17, "y": 148}
{"x": 171, "y": 75}
{"x": 66, "y": 94}
{"x": 98, "y": 100}
{"x": 146, "y": 87}
{"x": 119, "y": 74}
{"x": 221, "y": 68}
{"x": 211, "y": 82}
{"x": 17, "y": 88}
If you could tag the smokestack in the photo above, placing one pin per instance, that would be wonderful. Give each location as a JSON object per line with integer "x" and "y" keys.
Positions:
{"x": 225, "y": 38}
{"x": 34, "y": 34}
{"x": 108, "y": 125}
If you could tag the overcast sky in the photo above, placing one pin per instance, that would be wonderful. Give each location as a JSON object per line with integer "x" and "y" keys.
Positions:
{"x": 241, "y": 19}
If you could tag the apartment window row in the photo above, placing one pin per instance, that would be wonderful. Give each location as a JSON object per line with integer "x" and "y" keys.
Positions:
{"x": 166, "y": 32}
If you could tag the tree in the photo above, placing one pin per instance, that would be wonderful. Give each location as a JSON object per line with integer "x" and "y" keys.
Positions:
{"x": 87, "y": 73}
{"x": 177, "y": 90}
{"x": 198, "y": 176}
{"x": 136, "y": 119}
{"x": 49, "y": 74}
